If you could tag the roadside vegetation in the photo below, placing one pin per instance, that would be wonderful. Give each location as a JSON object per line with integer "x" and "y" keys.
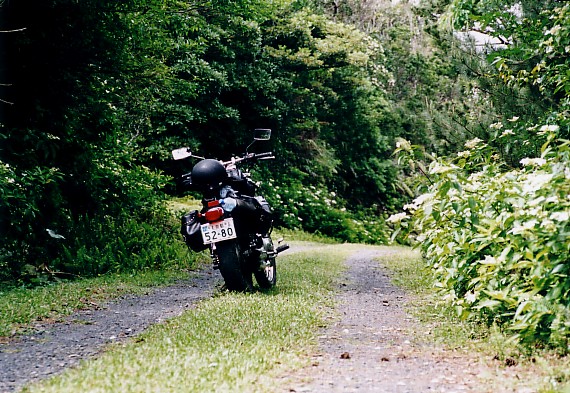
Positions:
{"x": 492, "y": 220}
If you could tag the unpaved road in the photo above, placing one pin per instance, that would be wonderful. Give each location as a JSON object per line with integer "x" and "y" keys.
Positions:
{"x": 372, "y": 346}
{"x": 57, "y": 346}
{"x": 375, "y": 346}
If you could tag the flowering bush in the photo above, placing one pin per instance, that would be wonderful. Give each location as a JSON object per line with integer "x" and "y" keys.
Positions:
{"x": 498, "y": 238}
{"x": 316, "y": 209}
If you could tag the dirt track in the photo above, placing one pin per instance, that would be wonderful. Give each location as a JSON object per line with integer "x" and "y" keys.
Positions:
{"x": 57, "y": 346}
{"x": 373, "y": 346}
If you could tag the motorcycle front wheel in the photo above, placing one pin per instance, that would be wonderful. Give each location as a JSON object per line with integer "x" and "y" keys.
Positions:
{"x": 232, "y": 267}
{"x": 266, "y": 277}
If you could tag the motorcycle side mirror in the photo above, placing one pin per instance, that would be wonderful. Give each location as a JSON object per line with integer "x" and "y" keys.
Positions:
{"x": 180, "y": 154}
{"x": 262, "y": 134}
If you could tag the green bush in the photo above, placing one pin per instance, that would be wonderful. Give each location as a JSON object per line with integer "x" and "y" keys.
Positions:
{"x": 123, "y": 244}
{"x": 108, "y": 218}
{"x": 497, "y": 237}
{"x": 317, "y": 210}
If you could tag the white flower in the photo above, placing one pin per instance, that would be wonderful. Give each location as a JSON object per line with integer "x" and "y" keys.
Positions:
{"x": 403, "y": 144}
{"x": 554, "y": 30}
{"x": 548, "y": 225}
{"x": 475, "y": 177}
{"x": 521, "y": 228}
{"x": 496, "y": 126}
{"x": 537, "y": 201}
{"x": 489, "y": 260}
{"x": 513, "y": 119}
{"x": 535, "y": 182}
{"x": 394, "y": 218}
{"x": 549, "y": 128}
{"x": 473, "y": 143}
{"x": 533, "y": 161}
{"x": 532, "y": 212}
{"x": 438, "y": 168}
{"x": 422, "y": 198}
{"x": 470, "y": 297}
{"x": 463, "y": 154}
{"x": 560, "y": 216}
{"x": 507, "y": 132}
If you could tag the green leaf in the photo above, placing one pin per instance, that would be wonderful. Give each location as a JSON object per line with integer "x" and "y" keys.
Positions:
{"x": 472, "y": 203}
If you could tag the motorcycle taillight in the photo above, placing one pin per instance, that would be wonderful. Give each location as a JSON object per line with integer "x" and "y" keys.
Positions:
{"x": 214, "y": 214}
{"x": 213, "y": 203}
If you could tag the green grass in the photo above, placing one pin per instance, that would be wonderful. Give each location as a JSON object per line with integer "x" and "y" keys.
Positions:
{"x": 229, "y": 343}
{"x": 179, "y": 206}
{"x": 296, "y": 235}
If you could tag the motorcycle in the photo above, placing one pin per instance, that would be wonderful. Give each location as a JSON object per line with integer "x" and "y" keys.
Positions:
{"x": 234, "y": 223}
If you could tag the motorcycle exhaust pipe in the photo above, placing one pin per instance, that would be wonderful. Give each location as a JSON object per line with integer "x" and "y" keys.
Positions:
{"x": 282, "y": 248}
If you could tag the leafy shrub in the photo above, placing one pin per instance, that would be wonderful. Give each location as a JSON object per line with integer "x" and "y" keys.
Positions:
{"x": 498, "y": 238}
{"x": 26, "y": 195}
{"x": 106, "y": 217}
{"x": 317, "y": 210}
{"x": 123, "y": 244}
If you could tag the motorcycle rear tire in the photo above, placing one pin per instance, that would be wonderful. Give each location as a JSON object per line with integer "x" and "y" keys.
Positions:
{"x": 232, "y": 267}
{"x": 267, "y": 277}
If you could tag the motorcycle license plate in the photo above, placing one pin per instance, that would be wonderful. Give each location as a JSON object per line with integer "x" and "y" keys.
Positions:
{"x": 219, "y": 231}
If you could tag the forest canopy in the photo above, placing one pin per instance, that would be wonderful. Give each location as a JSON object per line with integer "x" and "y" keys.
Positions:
{"x": 96, "y": 93}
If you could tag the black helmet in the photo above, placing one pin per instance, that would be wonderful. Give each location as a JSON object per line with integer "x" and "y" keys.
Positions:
{"x": 208, "y": 172}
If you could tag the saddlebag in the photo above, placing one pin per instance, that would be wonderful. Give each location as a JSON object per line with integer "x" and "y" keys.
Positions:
{"x": 190, "y": 230}
{"x": 265, "y": 215}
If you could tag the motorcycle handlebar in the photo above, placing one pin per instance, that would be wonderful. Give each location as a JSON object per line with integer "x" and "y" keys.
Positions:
{"x": 251, "y": 156}
{"x": 267, "y": 155}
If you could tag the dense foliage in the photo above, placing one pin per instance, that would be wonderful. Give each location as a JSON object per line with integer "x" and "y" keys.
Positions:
{"x": 493, "y": 220}
{"x": 96, "y": 93}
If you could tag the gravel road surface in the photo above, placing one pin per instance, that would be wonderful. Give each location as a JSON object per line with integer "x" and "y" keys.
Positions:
{"x": 373, "y": 345}
{"x": 56, "y": 346}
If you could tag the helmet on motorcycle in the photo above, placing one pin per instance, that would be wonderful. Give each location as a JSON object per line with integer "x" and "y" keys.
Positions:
{"x": 208, "y": 173}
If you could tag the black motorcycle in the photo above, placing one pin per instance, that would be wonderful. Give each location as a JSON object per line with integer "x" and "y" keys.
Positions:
{"x": 234, "y": 223}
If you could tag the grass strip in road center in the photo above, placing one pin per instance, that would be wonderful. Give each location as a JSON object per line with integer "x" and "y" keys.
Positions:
{"x": 229, "y": 343}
